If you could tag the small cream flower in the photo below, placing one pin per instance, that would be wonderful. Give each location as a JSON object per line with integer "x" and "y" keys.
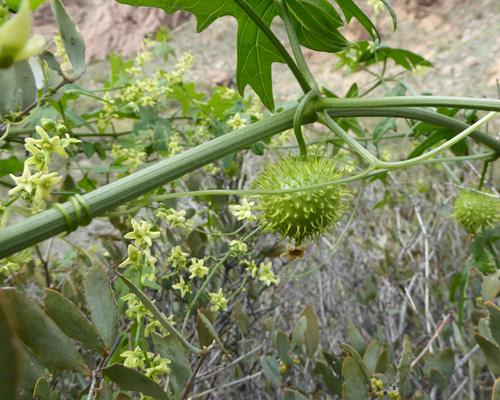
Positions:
{"x": 197, "y": 269}
{"x": 142, "y": 233}
{"x": 236, "y": 122}
{"x": 177, "y": 257}
{"x": 182, "y": 286}
{"x": 23, "y": 182}
{"x": 244, "y": 211}
{"x": 134, "y": 257}
{"x": 43, "y": 184}
{"x": 266, "y": 275}
{"x": 134, "y": 359}
{"x": 377, "y": 5}
{"x": 218, "y": 300}
{"x": 238, "y": 246}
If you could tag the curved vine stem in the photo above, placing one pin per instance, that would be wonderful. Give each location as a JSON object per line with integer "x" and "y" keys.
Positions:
{"x": 439, "y": 149}
{"x": 324, "y": 118}
{"x": 376, "y": 163}
{"x": 297, "y": 120}
{"x": 420, "y": 115}
{"x": 408, "y": 101}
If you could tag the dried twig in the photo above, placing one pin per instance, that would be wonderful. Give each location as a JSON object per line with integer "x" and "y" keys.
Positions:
{"x": 428, "y": 346}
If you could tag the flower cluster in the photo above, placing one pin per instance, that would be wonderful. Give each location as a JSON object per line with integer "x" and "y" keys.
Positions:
{"x": 37, "y": 185}
{"x": 379, "y": 391}
{"x": 127, "y": 156}
{"x": 265, "y": 274}
{"x": 174, "y": 218}
{"x": 154, "y": 366}
{"x": 377, "y": 5}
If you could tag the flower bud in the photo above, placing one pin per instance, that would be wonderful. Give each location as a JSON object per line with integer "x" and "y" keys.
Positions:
{"x": 48, "y": 124}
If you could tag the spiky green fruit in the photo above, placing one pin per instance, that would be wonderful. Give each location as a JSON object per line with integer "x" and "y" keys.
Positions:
{"x": 304, "y": 215}
{"x": 475, "y": 211}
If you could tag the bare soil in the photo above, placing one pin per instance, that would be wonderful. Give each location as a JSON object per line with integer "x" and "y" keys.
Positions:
{"x": 450, "y": 33}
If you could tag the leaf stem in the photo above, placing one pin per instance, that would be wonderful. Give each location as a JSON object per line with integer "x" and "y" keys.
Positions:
{"x": 297, "y": 52}
{"x": 336, "y": 128}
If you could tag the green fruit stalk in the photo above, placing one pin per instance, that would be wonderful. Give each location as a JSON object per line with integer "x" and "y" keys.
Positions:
{"x": 475, "y": 211}
{"x": 305, "y": 215}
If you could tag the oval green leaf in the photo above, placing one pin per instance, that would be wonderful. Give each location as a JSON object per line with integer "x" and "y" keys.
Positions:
{"x": 72, "y": 321}
{"x": 331, "y": 381}
{"x": 41, "y": 335}
{"x": 102, "y": 304}
{"x": 355, "y": 386}
{"x": 354, "y": 354}
{"x": 493, "y": 320}
{"x": 284, "y": 348}
{"x": 9, "y": 356}
{"x": 129, "y": 379}
{"x": 312, "y": 330}
{"x": 271, "y": 369}
{"x": 291, "y": 394}
{"x": 447, "y": 362}
{"x": 371, "y": 355}
{"x": 71, "y": 38}
{"x": 42, "y": 390}
{"x": 491, "y": 351}
{"x": 405, "y": 363}
{"x": 355, "y": 337}
{"x": 169, "y": 348}
{"x": 104, "y": 392}
{"x": 496, "y": 390}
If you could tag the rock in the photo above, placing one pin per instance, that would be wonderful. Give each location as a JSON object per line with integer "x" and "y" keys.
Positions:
{"x": 109, "y": 26}
{"x": 471, "y": 61}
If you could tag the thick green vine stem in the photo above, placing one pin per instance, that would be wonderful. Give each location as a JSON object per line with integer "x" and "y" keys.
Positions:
{"x": 297, "y": 120}
{"x": 409, "y": 101}
{"x": 49, "y": 223}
